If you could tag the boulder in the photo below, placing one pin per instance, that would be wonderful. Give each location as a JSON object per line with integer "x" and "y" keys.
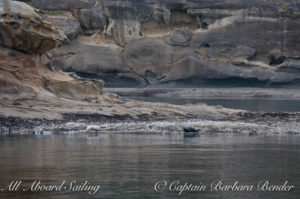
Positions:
{"x": 95, "y": 62}
{"x": 22, "y": 28}
{"x": 66, "y": 23}
{"x": 148, "y": 55}
{"x": 89, "y": 59}
{"x": 162, "y": 14}
{"x": 122, "y": 31}
{"x": 181, "y": 37}
{"x": 92, "y": 19}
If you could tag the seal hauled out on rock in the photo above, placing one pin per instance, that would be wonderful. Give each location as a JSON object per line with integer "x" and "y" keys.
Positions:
{"x": 190, "y": 131}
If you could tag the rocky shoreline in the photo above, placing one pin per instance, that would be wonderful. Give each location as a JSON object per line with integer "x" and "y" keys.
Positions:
{"x": 53, "y": 63}
{"x": 233, "y": 122}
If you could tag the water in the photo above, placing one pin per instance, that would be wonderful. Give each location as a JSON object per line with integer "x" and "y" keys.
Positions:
{"x": 251, "y": 99}
{"x": 266, "y": 105}
{"x": 127, "y": 166}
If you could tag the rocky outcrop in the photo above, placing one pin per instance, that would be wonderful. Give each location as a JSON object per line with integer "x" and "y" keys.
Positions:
{"x": 177, "y": 40}
{"x": 95, "y": 62}
{"x": 148, "y": 55}
{"x": 92, "y": 19}
{"x": 65, "y": 22}
{"x": 21, "y": 28}
{"x": 25, "y": 70}
{"x": 169, "y": 63}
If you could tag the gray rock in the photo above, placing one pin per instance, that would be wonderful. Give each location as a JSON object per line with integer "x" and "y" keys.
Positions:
{"x": 148, "y": 54}
{"x": 67, "y": 5}
{"x": 92, "y": 19}
{"x": 181, "y": 37}
{"x": 68, "y": 24}
{"x": 242, "y": 51}
{"x": 89, "y": 59}
{"x": 291, "y": 65}
{"x": 167, "y": 64}
{"x": 124, "y": 30}
{"x": 129, "y": 13}
{"x": 236, "y": 38}
{"x": 95, "y": 62}
{"x": 161, "y": 14}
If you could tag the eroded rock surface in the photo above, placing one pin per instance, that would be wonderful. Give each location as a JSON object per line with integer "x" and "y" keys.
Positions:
{"x": 25, "y": 67}
{"x": 65, "y": 22}
{"x": 92, "y": 61}
{"x": 22, "y": 28}
{"x": 179, "y": 40}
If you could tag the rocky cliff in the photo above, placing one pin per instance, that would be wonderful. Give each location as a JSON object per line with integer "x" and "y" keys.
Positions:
{"x": 25, "y": 65}
{"x": 159, "y": 41}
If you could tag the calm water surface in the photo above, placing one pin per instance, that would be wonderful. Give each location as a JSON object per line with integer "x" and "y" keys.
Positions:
{"x": 128, "y": 166}
{"x": 267, "y": 105}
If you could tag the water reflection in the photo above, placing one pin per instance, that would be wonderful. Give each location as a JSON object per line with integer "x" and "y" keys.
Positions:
{"x": 128, "y": 166}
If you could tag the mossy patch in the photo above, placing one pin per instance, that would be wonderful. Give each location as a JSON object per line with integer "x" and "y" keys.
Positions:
{"x": 54, "y": 12}
{"x": 284, "y": 7}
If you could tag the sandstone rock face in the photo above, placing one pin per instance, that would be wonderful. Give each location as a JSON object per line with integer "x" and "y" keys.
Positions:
{"x": 75, "y": 89}
{"x": 148, "y": 55}
{"x": 172, "y": 63}
{"x": 29, "y": 77}
{"x": 25, "y": 72}
{"x": 174, "y": 40}
{"x": 95, "y": 62}
{"x": 94, "y": 59}
{"x": 21, "y": 28}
